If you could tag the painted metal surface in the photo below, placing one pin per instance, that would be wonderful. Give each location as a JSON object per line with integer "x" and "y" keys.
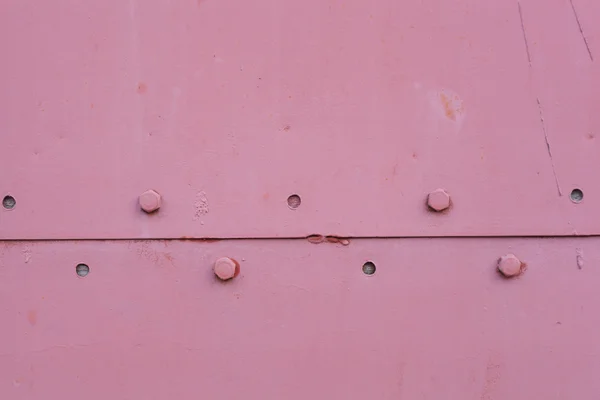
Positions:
{"x": 436, "y": 320}
{"x": 226, "y": 108}
{"x": 338, "y": 146}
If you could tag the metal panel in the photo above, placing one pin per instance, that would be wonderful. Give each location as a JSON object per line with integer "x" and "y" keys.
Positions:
{"x": 226, "y": 108}
{"x": 301, "y": 320}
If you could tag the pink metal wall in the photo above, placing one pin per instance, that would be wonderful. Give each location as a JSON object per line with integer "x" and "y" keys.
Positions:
{"x": 311, "y": 136}
{"x": 301, "y": 321}
{"x": 228, "y": 107}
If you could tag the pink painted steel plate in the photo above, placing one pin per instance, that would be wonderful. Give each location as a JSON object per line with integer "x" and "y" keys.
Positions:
{"x": 301, "y": 321}
{"x": 361, "y": 108}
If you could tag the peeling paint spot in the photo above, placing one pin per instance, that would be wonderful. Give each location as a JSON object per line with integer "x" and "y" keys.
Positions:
{"x": 200, "y": 205}
{"x": 493, "y": 374}
{"x": 145, "y": 249}
{"x": 335, "y": 239}
{"x": 27, "y": 255}
{"x": 315, "y": 239}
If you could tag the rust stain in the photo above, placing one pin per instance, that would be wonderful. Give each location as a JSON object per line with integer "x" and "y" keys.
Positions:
{"x": 266, "y": 196}
{"x": 194, "y": 239}
{"x": 142, "y": 88}
{"x": 32, "y": 317}
{"x": 449, "y": 107}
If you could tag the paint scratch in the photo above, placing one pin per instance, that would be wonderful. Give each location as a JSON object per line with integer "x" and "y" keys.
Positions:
{"x": 579, "y": 258}
{"x": 587, "y": 46}
{"x": 524, "y": 34}
{"x": 548, "y": 146}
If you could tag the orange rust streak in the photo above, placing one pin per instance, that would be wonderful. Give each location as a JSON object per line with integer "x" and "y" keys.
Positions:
{"x": 448, "y": 109}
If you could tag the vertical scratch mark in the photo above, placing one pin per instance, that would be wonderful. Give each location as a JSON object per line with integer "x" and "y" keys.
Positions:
{"x": 524, "y": 34}
{"x": 548, "y": 146}
{"x": 579, "y": 258}
{"x": 587, "y": 46}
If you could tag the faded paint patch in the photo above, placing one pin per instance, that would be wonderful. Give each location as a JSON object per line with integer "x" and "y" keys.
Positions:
{"x": 142, "y": 88}
{"x": 32, "y": 317}
{"x": 493, "y": 374}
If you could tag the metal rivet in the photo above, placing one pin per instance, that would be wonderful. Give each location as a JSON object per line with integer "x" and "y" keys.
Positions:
{"x": 369, "y": 268}
{"x": 150, "y": 201}
{"x": 510, "y": 266}
{"x": 82, "y": 270}
{"x": 576, "y": 195}
{"x": 438, "y": 200}
{"x": 9, "y": 202}
{"x": 294, "y": 201}
{"x": 226, "y": 268}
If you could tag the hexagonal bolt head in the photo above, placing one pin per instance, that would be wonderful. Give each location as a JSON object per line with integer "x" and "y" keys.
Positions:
{"x": 150, "y": 201}
{"x": 438, "y": 200}
{"x": 226, "y": 268}
{"x": 510, "y": 266}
